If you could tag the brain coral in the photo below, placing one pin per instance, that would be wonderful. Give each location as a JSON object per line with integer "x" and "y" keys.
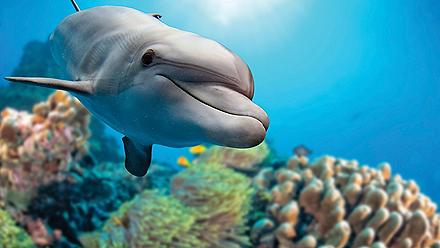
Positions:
{"x": 207, "y": 208}
{"x": 337, "y": 203}
{"x": 37, "y": 148}
{"x": 11, "y": 235}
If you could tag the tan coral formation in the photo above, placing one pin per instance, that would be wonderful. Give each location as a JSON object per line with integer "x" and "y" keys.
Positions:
{"x": 338, "y": 203}
{"x": 36, "y": 148}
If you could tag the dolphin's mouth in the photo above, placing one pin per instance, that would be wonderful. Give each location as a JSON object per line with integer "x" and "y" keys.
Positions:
{"x": 222, "y": 98}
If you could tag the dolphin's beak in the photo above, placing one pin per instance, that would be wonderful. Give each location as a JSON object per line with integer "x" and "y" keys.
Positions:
{"x": 226, "y": 99}
{"x": 239, "y": 122}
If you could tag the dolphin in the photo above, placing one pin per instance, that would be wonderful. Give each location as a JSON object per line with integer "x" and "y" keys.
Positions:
{"x": 153, "y": 83}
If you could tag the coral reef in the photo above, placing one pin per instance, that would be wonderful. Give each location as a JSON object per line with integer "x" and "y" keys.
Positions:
{"x": 80, "y": 207}
{"x": 52, "y": 186}
{"x": 244, "y": 160}
{"x": 338, "y": 203}
{"x": 85, "y": 201}
{"x": 206, "y": 208}
{"x": 11, "y": 235}
{"x": 48, "y": 181}
{"x": 37, "y": 148}
{"x": 150, "y": 220}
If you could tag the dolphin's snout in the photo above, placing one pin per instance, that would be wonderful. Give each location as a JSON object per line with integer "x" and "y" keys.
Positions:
{"x": 225, "y": 99}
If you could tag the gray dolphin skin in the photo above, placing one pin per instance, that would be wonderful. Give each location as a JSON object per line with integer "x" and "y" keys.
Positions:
{"x": 153, "y": 83}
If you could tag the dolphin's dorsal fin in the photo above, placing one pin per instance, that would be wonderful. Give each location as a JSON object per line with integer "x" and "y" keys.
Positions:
{"x": 137, "y": 157}
{"x": 80, "y": 87}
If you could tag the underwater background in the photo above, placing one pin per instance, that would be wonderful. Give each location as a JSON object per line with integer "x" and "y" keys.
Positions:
{"x": 358, "y": 80}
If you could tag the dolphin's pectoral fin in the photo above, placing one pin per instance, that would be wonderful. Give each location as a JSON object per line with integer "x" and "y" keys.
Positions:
{"x": 80, "y": 87}
{"x": 137, "y": 157}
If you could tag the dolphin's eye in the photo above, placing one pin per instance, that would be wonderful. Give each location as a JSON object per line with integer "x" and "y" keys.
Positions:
{"x": 148, "y": 57}
{"x": 157, "y": 16}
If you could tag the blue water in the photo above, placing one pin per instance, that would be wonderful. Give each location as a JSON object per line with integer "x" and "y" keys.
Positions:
{"x": 355, "y": 79}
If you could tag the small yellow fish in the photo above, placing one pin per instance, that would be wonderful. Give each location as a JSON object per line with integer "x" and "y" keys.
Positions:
{"x": 183, "y": 161}
{"x": 197, "y": 150}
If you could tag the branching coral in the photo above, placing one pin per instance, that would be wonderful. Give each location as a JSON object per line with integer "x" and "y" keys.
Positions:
{"x": 245, "y": 160}
{"x": 11, "y": 235}
{"x": 337, "y": 203}
{"x": 206, "y": 209}
{"x": 37, "y": 148}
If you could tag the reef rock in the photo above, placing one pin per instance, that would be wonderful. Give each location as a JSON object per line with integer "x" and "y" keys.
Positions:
{"x": 338, "y": 203}
{"x": 87, "y": 198}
